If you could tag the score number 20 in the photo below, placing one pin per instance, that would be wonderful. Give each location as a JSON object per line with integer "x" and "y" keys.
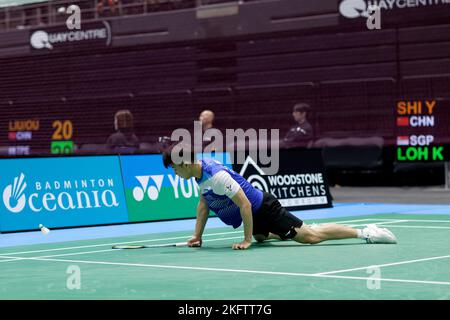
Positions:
{"x": 61, "y": 139}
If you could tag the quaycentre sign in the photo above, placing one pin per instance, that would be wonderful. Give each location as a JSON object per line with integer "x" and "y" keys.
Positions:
{"x": 62, "y": 38}
{"x": 359, "y": 8}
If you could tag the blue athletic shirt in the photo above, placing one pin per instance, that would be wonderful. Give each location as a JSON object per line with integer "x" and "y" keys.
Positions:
{"x": 218, "y": 184}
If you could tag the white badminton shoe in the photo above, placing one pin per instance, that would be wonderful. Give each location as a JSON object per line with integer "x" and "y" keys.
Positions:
{"x": 374, "y": 234}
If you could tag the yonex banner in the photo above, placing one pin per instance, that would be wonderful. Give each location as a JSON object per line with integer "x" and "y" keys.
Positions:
{"x": 61, "y": 192}
{"x": 156, "y": 193}
{"x": 300, "y": 182}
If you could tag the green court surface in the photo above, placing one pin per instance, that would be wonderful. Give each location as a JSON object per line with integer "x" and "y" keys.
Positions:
{"x": 418, "y": 267}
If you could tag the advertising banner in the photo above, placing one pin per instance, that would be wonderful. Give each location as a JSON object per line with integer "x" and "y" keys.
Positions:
{"x": 83, "y": 191}
{"x": 300, "y": 182}
{"x": 56, "y": 39}
{"x": 155, "y": 193}
{"x": 60, "y": 192}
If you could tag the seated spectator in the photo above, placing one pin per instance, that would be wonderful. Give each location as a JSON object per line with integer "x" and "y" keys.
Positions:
{"x": 111, "y": 4}
{"x": 207, "y": 119}
{"x": 301, "y": 133}
{"x": 123, "y": 140}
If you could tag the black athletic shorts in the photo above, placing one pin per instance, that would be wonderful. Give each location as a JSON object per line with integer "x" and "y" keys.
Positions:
{"x": 273, "y": 217}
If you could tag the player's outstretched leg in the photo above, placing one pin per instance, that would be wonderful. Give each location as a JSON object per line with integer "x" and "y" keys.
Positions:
{"x": 319, "y": 233}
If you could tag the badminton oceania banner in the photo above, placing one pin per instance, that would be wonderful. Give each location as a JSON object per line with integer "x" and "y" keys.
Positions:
{"x": 61, "y": 192}
{"x": 156, "y": 193}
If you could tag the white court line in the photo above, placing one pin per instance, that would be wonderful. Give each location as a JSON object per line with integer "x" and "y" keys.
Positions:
{"x": 417, "y": 227}
{"x": 89, "y": 252}
{"x": 383, "y": 223}
{"x": 7, "y": 258}
{"x": 238, "y": 271}
{"x": 113, "y": 243}
{"x": 418, "y": 220}
{"x": 347, "y": 221}
{"x": 383, "y": 265}
{"x": 388, "y": 280}
{"x": 357, "y": 220}
{"x": 148, "y": 240}
{"x": 377, "y": 223}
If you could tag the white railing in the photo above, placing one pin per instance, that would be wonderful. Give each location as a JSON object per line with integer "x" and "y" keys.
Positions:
{"x": 46, "y": 13}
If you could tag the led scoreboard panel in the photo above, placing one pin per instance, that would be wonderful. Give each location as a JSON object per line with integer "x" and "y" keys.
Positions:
{"x": 37, "y": 136}
{"x": 61, "y": 138}
{"x": 418, "y": 128}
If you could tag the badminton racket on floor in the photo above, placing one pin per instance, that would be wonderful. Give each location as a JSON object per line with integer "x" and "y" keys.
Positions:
{"x": 165, "y": 245}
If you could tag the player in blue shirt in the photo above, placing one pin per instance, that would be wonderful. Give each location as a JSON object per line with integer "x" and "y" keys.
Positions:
{"x": 235, "y": 201}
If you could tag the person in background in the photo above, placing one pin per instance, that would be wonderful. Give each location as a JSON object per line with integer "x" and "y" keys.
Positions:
{"x": 302, "y": 132}
{"x": 123, "y": 140}
{"x": 207, "y": 119}
{"x": 111, "y": 4}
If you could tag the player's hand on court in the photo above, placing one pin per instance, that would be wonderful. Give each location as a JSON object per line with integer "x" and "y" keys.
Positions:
{"x": 242, "y": 246}
{"x": 194, "y": 242}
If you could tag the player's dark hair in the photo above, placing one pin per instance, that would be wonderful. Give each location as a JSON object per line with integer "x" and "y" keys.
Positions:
{"x": 180, "y": 149}
{"x": 167, "y": 157}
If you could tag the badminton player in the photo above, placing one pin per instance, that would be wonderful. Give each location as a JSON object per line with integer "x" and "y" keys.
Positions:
{"x": 235, "y": 201}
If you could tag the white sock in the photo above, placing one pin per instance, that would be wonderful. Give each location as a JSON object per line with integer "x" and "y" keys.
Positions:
{"x": 360, "y": 234}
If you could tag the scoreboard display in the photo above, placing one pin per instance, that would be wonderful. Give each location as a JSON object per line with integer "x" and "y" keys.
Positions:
{"x": 35, "y": 136}
{"x": 62, "y": 137}
{"x": 418, "y": 124}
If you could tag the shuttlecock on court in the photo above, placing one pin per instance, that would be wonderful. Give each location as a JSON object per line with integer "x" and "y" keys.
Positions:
{"x": 44, "y": 230}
